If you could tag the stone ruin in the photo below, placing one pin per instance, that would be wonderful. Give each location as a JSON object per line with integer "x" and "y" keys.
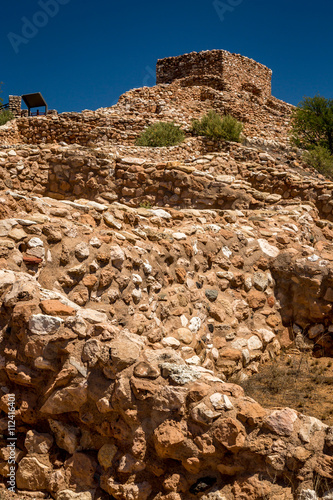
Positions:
{"x": 218, "y": 69}
{"x": 140, "y": 286}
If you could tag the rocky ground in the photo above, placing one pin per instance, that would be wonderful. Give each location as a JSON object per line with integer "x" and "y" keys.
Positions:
{"x": 139, "y": 287}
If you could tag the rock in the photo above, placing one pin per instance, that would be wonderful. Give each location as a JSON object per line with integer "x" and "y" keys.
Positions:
{"x": 171, "y": 342}
{"x": 254, "y": 343}
{"x": 315, "y": 330}
{"x": 203, "y": 415}
{"x": 17, "y": 234}
{"x": 179, "y": 374}
{"x": 124, "y": 351}
{"x": 260, "y": 281}
{"x": 92, "y": 316}
{"x": 67, "y": 437}
{"x": 82, "y": 251}
{"x": 53, "y": 234}
{"x": 146, "y": 370}
{"x": 106, "y": 455}
{"x": 66, "y": 400}
{"x": 40, "y": 324}
{"x": 180, "y": 274}
{"x": 281, "y": 422}
{"x": 71, "y": 495}
{"x": 221, "y": 401}
{"x": 161, "y": 213}
{"x": 35, "y": 242}
{"x": 184, "y": 335}
{"x": 111, "y": 221}
{"x": 117, "y": 256}
{"x": 56, "y": 308}
{"x": 32, "y": 474}
{"x": 211, "y": 295}
{"x": 268, "y": 249}
{"x": 130, "y": 465}
{"x": 179, "y": 236}
{"x": 132, "y": 491}
{"x": 229, "y": 433}
{"x": 167, "y": 438}
{"x": 80, "y": 469}
{"x": 266, "y": 335}
{"x": 307, "y": 495}
{"x": 36, "y": 442}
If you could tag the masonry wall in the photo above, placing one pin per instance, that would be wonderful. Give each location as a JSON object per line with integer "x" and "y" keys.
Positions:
{"x": 234, "y": 71}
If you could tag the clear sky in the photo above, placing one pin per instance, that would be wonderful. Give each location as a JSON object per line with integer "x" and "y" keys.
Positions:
{"x": 83, "y": 54}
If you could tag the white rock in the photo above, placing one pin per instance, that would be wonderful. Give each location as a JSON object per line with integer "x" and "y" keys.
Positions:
{"x": 195, "y": 360}
{"x": 147, "y": 268}
{"x": 136, "y": 294}
{"x": 195, "y": 324}
{"x": 161, "y": 213}
{"x": 7, "y": 278}
{"x": 95, "y": 242}
{"x": 184, "y": 320}
{"x": 41, "y": 324}
{"x": 221, "y": 402}
{"x": 93, "y": 316}
{"x": 214, "y": 227}
{"x": 268, "y": 249}
{"x": 179, "y": 236}
{"x": 35, "y": 242}
{"x": 117, "y": 256}
{"x": 266, "y": 335}
{"x": 307, "y": 495}
{"x": 137, "y": 280}
{"x": 82, "y": 251}
{"x": 111, "y": 221}
{"x": 227, "y": 252}
{"x": 254, "y": 343}
{"x": 170, "y": 342}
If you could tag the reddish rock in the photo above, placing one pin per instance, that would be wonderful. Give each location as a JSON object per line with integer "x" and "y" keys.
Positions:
{"x": 56, "y": 308}
{"x": 229, "y": 433}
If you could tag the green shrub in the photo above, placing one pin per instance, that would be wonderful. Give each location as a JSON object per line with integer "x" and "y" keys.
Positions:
{"x": 319, "y": 158}
{"x": 5, "y": 116}
{"x": 161, "y": 134}
{"x": 213, "y": 126}
{"x": 146, "y": 204}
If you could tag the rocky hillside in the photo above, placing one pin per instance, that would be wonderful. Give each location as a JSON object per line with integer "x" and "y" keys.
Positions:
{"x": 139, "y": 286}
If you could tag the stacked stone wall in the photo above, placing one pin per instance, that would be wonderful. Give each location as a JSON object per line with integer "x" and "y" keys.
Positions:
{"x": 236, "y": 72}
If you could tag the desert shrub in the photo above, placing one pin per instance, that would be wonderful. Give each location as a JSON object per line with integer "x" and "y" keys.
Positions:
{"x": 320, "y": 158}
{"x": 161, "y": 134}
{"x": 5, "y": 116}
{"x": 312, "y": 123}
{"x": 212, "y": 125}
{"x": 146, "y": 204}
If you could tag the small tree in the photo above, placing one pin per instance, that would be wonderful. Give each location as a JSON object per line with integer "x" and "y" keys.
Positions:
{"x": 213, "y": 126}
{"x": 312, "y": 123}
{"x": 161, "y": 134}
{"x": 1, "y": 101}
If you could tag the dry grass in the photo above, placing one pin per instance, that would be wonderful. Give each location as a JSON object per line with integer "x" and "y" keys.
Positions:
{"x": 297, "y": 381}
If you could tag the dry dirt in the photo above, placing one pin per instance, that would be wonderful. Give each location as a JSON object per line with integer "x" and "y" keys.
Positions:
{"x": 297, "y": 381}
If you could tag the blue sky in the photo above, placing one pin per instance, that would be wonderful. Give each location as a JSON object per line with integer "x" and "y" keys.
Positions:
{"x": 83, "y": 54}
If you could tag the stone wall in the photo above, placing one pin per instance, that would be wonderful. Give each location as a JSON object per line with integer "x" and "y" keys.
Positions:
{"x": 15, "y": 105}
{"x": 227, "y": 71}
{"x": 237, "y": 177}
